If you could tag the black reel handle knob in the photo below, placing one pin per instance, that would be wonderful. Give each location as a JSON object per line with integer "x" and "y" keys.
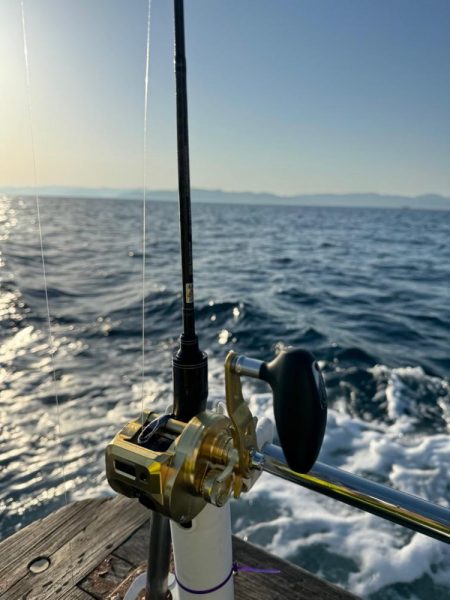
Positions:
{"x": 300, "y": 405}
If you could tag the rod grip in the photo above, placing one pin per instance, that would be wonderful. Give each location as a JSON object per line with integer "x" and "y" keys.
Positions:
{"x": 190, "y": 380}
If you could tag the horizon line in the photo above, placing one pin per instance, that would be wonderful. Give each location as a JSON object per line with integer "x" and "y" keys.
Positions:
{"x": 8, "y": 189}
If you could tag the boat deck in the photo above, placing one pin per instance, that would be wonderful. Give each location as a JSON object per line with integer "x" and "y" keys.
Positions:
{"x": 93, "y": 546}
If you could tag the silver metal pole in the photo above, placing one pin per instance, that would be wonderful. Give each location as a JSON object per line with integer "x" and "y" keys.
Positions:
{"x": 398, "y": 507}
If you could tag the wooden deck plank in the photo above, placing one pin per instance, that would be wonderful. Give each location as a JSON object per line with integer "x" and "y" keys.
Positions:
{"x": 47, "y": 529}
{"x": 106, "y": 577}
{"x": 135, "y": 549}
{"x": 119, "y": 592}
{"x": 291, "y": 582}
{"x": 93, "y": 545}
{"x": 98, "y": 530}
{"x": 76, "y": 594}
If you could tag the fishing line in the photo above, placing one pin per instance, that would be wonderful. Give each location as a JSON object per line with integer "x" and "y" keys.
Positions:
{"x": 144, "y": 200}
{"x": 44, "y": 270}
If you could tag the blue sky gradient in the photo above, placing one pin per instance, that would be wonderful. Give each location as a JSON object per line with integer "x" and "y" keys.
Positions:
{"x": 285, "y": 96}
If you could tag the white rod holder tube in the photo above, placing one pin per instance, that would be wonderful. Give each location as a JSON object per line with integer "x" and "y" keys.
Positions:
{"x": 203, "y": 556}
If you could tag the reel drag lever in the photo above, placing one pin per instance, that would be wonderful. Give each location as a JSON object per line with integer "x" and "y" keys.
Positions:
{"x": 299, "y": 402}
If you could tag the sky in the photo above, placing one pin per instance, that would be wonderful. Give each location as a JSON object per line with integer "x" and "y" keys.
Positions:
{"x": 285, "y": 96}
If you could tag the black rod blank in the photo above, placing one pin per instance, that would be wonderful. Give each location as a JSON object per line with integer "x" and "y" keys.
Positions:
{"x": 190, "y": 365}
{"x": 184, "y": 186}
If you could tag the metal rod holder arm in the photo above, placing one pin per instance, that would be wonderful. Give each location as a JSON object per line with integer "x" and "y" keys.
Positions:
{"x": 383, "y": 501}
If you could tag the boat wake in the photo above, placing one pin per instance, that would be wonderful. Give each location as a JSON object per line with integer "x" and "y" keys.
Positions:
{"x": 369, "y": 556}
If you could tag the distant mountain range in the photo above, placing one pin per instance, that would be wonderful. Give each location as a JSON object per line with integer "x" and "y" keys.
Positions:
{"x": 372, "y": 200}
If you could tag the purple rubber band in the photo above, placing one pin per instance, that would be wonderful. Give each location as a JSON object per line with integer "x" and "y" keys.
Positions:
{"x": 213, "y": 589}
{"x": 234, "y": 569}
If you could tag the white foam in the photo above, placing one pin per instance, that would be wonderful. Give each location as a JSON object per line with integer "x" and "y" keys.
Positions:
{"x": 385, "y": 554}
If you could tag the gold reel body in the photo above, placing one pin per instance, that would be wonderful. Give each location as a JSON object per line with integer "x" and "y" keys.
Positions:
{"x": 188, "y": 464}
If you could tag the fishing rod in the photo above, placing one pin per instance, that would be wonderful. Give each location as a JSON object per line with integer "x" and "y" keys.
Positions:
{"x": 189, "y": 364}
{"x": 185, "y": 465}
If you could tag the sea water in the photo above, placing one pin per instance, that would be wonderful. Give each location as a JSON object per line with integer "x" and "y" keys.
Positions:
{"x": 368, "y": 291}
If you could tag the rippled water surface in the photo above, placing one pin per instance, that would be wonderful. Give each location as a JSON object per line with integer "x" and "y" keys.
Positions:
{"x": 367, "y": 290}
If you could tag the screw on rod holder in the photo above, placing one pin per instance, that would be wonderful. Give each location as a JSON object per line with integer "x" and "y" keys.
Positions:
{"x": 300, "y": 405}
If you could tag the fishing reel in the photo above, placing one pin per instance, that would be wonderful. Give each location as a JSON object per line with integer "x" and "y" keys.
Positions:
{"x": 175, "y": 468}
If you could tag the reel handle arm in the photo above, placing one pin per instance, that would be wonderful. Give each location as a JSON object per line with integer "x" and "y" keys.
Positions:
{"x": 299, "y": 402}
